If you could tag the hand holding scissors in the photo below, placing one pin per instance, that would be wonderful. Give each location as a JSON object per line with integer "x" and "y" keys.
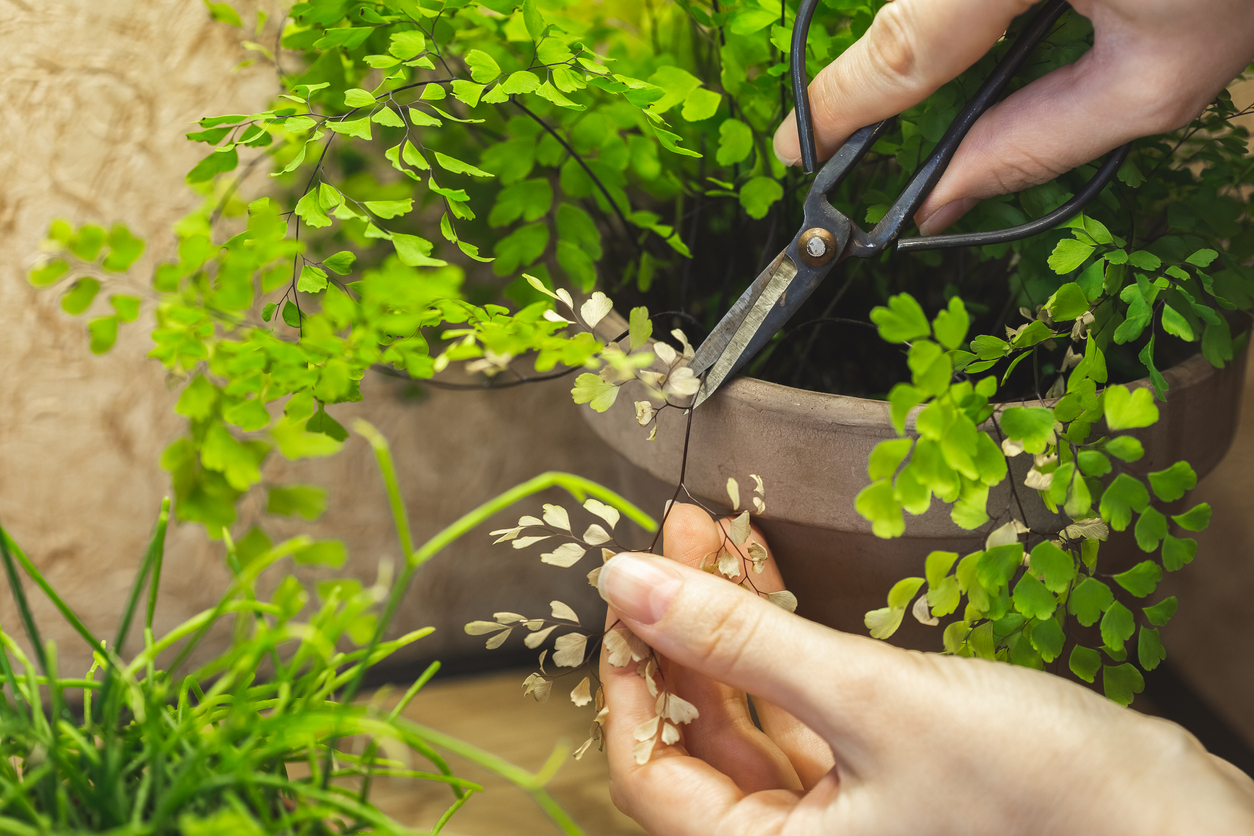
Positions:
{"x": 1154, "y": 65}
{"x": 1138, "y": 79}
{"x": 827, "y": 236}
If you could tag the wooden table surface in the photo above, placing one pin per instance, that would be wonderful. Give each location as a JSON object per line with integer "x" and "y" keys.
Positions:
{"x": 490, "y": 711}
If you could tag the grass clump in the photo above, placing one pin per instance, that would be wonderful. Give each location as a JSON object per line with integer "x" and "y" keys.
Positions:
{"x": 137, "y": 746}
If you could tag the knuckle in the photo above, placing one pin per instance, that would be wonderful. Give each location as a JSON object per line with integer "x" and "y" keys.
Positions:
{"x": 1171, "y": 742}
{"x": 886, "y": 664}
{"x": 1163, "y": 97}
{"x": 1169, "y": 114}
{"x": 891, "y": 43}
{"x": 1019, "y": 168}
{"x": 728, "y": 628}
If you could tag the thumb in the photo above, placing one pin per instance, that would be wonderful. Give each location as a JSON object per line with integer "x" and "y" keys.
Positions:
{"x": 911, "y": 48}
{"x": 829, "y": 680}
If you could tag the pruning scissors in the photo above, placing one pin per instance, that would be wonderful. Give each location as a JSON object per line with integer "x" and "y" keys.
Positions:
{"x": 828, "y": 237}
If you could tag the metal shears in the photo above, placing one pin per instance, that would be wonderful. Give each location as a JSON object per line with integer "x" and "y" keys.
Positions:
{"x": 828, "y": 237}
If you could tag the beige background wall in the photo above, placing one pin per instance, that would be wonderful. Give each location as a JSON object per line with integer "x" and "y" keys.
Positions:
{"x": 98, "y": 95}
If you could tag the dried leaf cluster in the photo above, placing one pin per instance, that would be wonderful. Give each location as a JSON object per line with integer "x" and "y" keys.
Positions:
{"x": 668, "y": 382}
{"x": 570, "y": 548}
{"x": 738, "y": 555}
{"x": 662, "y": 369}
{"x": 574, "y": 647}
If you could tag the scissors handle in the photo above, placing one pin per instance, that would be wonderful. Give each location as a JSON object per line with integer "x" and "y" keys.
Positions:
{"x": 1000, "y": 236}
{"x": 862, "y": 244}
{"x": 801, "y": 85}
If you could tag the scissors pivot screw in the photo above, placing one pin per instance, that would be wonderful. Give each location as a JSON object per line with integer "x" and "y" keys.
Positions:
{"x": 817, "y": 246}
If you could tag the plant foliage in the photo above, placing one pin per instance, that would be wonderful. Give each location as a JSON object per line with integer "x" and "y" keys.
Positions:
{"x": 1031, "y": 587}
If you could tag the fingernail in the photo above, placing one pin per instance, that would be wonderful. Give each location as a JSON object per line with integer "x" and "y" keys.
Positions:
{"x": 785, "y": 158}
{"x": 784, "y": 139}
{"x": 946, "y": 215}
{"x": 638, "y": 587}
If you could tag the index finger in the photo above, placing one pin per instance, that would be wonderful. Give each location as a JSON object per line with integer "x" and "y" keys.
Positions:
{"x": 841, "y": 686}
{"x": 910, "y": 50}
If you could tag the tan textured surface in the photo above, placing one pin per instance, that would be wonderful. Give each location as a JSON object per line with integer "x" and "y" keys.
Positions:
{"x": 1210, "y": 642}
{"x": 97, "y": 97}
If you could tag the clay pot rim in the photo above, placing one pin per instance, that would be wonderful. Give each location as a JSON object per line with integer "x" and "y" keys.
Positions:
{"x": 849, "y": 410}
{"x": 825, "y": 440}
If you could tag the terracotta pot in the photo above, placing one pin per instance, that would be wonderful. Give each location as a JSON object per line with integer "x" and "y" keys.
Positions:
{"x": 811, "y": 450}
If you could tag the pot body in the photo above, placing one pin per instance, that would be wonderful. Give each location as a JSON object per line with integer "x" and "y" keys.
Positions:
{"x": 811, "y": 450}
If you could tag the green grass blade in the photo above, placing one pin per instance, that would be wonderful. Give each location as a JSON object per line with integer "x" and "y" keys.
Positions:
{"x": 7, "y": 547}
{"x": 198, "y": 624}
{"x": 400, "y": 706}
{"x": 17, "y": 828}
{"x": 383, "y": 455}
{"x": 243, "y": 581}
{"x": 421, "y": 681}
{"x": 531, "y": 782}
{"x": 448, "y": 814}
{"x": 34, "y": 574}
{"x": 152, "y": 557}
{"x": 6, "y": 666}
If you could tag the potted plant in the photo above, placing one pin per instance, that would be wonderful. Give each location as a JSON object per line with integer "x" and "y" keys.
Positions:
{"x": 1062, "y": 475}
{"x": 627, "y": 148}
{"x": 814, "y": 443}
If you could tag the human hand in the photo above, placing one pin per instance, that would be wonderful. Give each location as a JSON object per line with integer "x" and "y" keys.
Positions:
{"x": 859, "y": 737}
{"x": 1153, "y": 67}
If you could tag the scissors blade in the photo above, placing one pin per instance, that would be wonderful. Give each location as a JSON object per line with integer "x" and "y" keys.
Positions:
{"x": 750, "y": 324}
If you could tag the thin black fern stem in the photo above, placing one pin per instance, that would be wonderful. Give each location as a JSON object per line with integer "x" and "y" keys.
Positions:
{"x": 683, "y": 472}
{"x": 587, "y": 170}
